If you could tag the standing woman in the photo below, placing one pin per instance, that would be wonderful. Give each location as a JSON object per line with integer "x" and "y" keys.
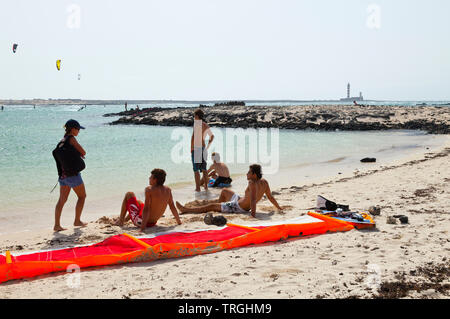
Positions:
{"x": 69, "y": 161}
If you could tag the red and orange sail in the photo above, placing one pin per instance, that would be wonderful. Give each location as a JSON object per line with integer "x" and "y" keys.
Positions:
{"x": 124, "y": 248}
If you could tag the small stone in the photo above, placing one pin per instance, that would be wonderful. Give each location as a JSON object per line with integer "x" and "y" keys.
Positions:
{"x": 391, "y": 220}
{"x": 375, "y": 210}
{"x": 208, "y": 219}
{"x": 403, "y": 219}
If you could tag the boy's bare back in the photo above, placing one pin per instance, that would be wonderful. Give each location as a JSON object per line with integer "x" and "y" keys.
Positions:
{"x": 159, "y": 197}
{"x": 221, "y": 169}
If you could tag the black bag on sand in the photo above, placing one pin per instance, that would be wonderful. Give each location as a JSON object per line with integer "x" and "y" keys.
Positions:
{"x": 325, "y": 204}
{"x": 209, "y": 219}
{"x": 67, "y": 158}
{"x": 368, "y": 160}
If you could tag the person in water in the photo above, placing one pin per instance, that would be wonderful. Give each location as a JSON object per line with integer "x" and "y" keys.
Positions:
{"x": 230, "y": 202}
{"x": 219, "y": 171}
{"x": 71, "y": 180}
{"x": 157, "y": 197}
{"x": 199, "y": 149}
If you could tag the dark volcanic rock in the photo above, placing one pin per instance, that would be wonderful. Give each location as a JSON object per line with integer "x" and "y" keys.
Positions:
{"x": 231, "y": 103}
{"x": 434, "y": 120}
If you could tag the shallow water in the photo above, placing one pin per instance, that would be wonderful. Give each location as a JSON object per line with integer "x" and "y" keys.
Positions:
{"x": 120, "y": 157}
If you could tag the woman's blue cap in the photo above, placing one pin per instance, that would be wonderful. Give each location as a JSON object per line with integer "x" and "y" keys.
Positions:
{"x": 73, "y": 124}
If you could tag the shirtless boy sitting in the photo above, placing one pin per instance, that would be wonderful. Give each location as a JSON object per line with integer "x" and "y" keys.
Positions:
{"x": 157, "y": 197}
{"x": 219, "y": 171}
{"x": 230, "y": 202}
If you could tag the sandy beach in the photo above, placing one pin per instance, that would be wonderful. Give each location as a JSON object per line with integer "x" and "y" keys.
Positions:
{"x": 345, "y": 100}
{"x": 391, "y": 261}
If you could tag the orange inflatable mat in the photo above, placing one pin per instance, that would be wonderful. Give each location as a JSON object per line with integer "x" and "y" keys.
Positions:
{"x": 120, "y": 249}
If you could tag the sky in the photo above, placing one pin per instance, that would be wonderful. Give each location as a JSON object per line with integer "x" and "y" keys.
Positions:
{"x": 225, "y": 50}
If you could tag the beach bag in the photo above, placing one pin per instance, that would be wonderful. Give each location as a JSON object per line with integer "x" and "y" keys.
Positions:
{"x": 68, "y": 159}
{"x": 325, "y": 204}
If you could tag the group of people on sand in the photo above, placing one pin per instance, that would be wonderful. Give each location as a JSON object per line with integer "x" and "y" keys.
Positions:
{"x": 146, "y": 213}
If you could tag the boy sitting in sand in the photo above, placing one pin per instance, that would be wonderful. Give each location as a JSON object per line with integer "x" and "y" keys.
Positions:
{"x": 219, "y": 171}
{"x": 157, "y": 197}
{"x": 230, "y": 202}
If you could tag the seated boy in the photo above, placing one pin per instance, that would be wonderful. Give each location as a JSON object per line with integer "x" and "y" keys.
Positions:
{"x": 157, "y": 197}
{"x": 219, "y": 171}
{"x": 230, "y": 202}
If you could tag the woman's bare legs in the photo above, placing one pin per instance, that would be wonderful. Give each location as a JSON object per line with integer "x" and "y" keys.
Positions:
{"x": 63, "y": 195}
{"x": 81, "y": 193}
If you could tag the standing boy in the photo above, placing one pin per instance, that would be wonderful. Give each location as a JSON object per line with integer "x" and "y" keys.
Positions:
{"x": 199, "y": 149}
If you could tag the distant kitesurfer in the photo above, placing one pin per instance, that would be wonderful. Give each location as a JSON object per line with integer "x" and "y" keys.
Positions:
{"x": 230, "y": 202}
{"x": 157, "y": 197}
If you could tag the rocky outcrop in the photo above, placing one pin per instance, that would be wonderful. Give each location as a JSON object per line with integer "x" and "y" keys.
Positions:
{"x": 431, "y": 119}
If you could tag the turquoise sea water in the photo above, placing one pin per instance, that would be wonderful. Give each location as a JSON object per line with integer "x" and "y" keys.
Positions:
{"x": 119, "y": 158}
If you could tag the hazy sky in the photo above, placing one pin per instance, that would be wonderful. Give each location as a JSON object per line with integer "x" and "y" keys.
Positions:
{"x": 233, "y": 49}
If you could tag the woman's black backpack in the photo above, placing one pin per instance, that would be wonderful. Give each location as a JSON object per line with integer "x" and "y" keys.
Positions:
{"x": 68, "y": 159}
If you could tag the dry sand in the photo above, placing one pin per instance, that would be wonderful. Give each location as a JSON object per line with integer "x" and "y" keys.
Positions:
{"x": 393, "y": 260}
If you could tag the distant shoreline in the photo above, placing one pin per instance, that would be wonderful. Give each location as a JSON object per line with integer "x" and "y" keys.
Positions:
{"x": 55, "y": 102}
{"x": 431, "y": 119}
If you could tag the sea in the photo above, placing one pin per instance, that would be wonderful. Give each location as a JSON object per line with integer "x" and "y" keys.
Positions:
{"x": 119, "y": 158}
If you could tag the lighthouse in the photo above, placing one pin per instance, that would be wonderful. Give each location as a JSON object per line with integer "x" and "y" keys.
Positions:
{"x": 352, "y": 98}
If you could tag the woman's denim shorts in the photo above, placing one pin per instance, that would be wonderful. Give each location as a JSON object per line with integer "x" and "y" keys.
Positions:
{"x": 72, "y": 181}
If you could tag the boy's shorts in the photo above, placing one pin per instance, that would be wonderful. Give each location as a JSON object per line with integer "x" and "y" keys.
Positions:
{"x": 202, "y": 165}
{"x": 222, "y": 180}
{"x": 232, "y": 206}
{"x": 71, "y": 181}
{"x": 135, "y": 208}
